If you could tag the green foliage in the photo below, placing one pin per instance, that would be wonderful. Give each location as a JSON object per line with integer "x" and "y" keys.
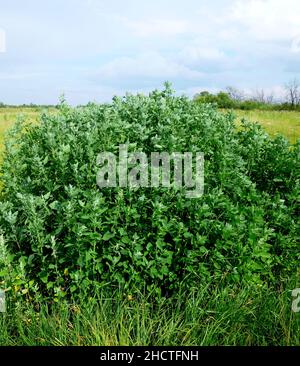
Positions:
{"x": 224, "y": 100}
{"x": 63, "y": 234}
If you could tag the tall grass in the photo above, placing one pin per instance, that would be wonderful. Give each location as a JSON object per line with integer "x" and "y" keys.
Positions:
{"x": 207, "y": 316}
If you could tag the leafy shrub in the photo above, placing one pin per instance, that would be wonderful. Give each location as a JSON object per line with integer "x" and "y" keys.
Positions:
{"x": 64, "y": 234}
{"x": 222, "y": 99}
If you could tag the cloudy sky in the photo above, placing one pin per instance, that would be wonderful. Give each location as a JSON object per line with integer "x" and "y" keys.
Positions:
{"x": 94, "y": 49}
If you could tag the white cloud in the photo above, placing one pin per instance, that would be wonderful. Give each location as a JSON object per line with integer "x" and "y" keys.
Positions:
{"x": 157, "y": 27}
{"x": 149, "y": 65}
{"x": 268, "y": 20}
{"x": 195, "y": 53}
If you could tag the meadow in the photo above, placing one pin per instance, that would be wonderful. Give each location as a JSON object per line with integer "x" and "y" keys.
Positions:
{"x": 286, "y": 123}
{"x": 148, "y": 266}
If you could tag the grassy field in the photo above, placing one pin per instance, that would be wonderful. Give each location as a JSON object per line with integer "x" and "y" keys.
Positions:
{"x": 286, "y": 123}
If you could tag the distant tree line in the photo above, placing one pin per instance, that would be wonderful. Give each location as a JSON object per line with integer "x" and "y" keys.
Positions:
{"x": 31, "y": 105}
{"x": 234, "y": 98}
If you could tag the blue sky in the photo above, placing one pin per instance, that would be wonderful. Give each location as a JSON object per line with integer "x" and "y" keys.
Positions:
{"x": 91, "y": 50}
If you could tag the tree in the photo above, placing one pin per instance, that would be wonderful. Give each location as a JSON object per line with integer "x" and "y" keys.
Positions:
{"x": 270, "y": 98}
{"x": 261, "y": 97}
{"x": 205, "y": 97}
{"x": 293, "y": 92}
{"x": 224, "y": 100}
{"x": 235, "y": 94}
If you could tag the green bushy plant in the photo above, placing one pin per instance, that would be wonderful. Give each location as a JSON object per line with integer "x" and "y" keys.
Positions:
{"x": 70, "y": 235}
{"x": 222, "y": 99}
